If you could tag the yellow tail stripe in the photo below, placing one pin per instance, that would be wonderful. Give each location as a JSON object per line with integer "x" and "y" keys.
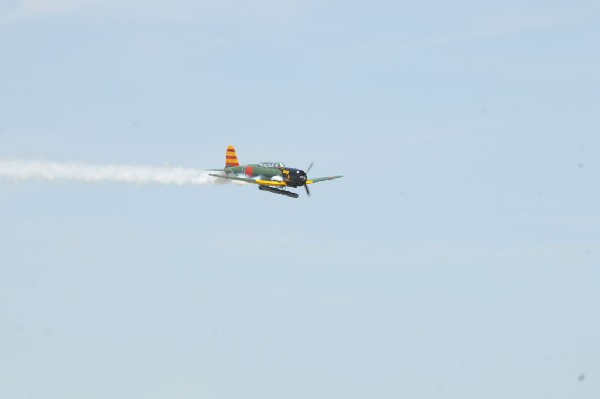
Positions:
{"x": 231, "y": 158}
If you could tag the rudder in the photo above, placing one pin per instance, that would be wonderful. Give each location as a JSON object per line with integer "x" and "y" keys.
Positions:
{"x": 231, "y": 158}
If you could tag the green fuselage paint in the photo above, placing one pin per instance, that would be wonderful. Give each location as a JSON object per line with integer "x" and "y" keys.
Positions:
{"x": 255, "y": 170}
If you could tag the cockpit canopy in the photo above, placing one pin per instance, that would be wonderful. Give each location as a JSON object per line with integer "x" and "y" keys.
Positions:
{"x": 279, "y": 165}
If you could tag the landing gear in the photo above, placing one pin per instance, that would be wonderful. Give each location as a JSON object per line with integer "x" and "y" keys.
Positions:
{"x": 278, "y": 191}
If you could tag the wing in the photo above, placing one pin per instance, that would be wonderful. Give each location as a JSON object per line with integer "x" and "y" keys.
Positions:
{"x": 244, "y": 179}
{"x": 253, "y": 181}
{"x": 274, "y": 183}
{"x": 318, "y": 179}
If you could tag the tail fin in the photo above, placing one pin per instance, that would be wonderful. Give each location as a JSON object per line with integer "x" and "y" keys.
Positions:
{"x": 231, "y": 158}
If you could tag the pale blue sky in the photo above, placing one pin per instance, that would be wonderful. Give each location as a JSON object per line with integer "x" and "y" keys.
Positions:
{"x": 458, "y": 258}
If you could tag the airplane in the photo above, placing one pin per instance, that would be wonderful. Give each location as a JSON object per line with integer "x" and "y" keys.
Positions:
{"x": 273, "y": 177}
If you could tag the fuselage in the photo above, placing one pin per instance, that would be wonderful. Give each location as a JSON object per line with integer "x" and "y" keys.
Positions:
{"x": 274, "y": 171}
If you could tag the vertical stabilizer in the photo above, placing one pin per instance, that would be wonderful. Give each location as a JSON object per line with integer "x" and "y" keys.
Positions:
{"x": 231, "y": 158}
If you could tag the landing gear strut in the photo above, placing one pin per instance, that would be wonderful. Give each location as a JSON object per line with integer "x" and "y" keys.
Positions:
{"x": 278, "y": 191}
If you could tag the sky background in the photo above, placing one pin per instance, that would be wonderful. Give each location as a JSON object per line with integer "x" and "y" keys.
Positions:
{"x": 458, "y": 258}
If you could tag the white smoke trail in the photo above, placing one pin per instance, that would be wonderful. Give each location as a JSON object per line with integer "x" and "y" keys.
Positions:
{"x": 47, "y": 170}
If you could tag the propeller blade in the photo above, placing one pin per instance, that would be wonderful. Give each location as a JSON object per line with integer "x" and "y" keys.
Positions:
{"x": 307, "y": 190}
{"x": 309, "y": 167}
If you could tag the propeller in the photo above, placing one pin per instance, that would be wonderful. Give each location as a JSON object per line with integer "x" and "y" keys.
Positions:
{"x": 306, "y": 185}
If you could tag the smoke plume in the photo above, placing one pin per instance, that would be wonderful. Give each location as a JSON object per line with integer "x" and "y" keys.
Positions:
{"x": 55, "y": 171}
